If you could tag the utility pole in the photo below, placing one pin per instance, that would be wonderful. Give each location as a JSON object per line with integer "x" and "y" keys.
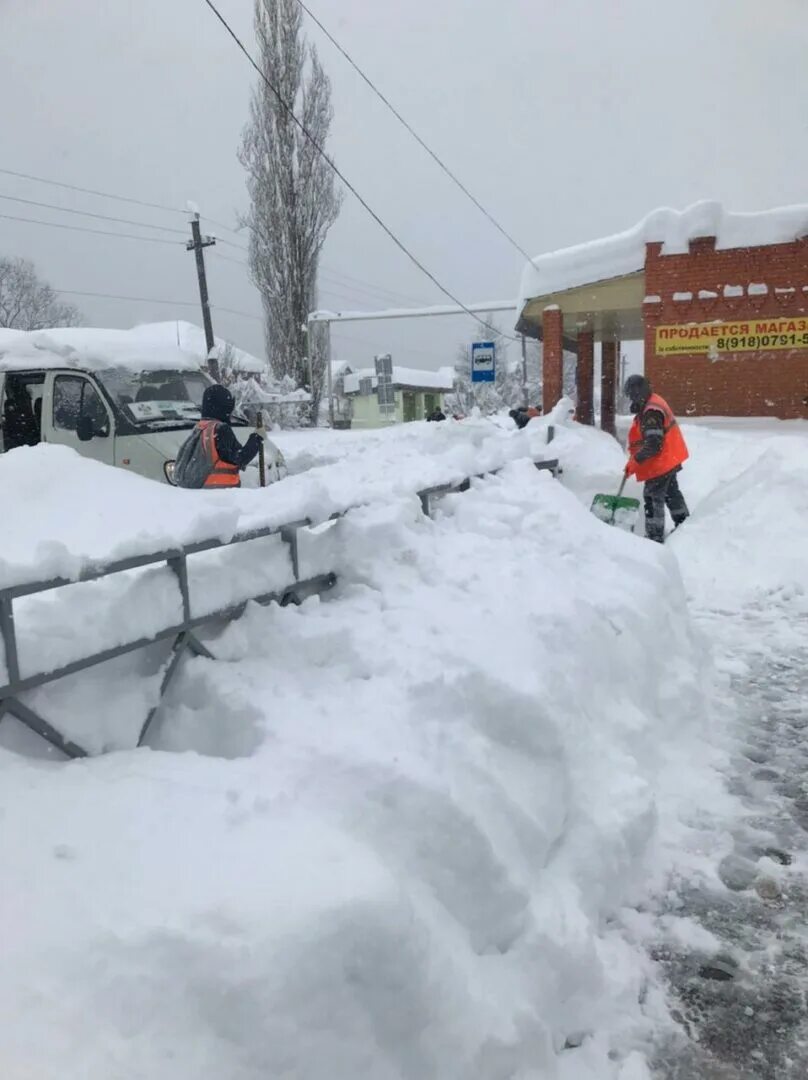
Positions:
{"x": 330, "y": 375}
{"x": 197, "y": 245}
{"x": 524, "y": 373}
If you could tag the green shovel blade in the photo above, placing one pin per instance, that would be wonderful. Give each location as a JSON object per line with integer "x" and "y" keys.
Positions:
{"x": 616, "y": 510}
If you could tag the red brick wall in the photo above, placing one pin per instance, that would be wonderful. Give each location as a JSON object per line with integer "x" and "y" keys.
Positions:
{"x": 764, "y": 383}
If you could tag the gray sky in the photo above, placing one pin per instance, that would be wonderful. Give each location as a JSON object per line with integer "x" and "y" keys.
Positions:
{"x": 568, "y": 120}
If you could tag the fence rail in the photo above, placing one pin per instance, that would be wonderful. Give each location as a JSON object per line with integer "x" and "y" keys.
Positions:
{"x": 180, "y": 633}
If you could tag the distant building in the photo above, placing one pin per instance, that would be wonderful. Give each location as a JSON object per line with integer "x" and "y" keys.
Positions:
{"x": 416, "y": 394}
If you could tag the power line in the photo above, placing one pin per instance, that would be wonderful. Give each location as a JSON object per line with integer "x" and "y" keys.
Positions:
{"x": 415, "y": 134}
{"x": 230, "y": 243}
{"x": 87, "y": 213}
{"x": 369, "y": 344}
{"x": 221, "y": 225}
{"x": 337, "y": 172}
{"x": 131, "y": 299}
{"x": 367, "y": 290}
{"x": 243, "y": 314}
{"x": 157, "y": 300}
{"x": 91, "y": 191}
{"x": 97, "y": 232}
{"x": 343, "y": 280}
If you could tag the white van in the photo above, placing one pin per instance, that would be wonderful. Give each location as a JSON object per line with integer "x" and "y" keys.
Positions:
{"x": 122, "y": 405}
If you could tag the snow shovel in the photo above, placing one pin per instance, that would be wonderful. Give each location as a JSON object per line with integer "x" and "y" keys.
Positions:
{"x": 262, "y": 468}
{"x": 617, "y": 509}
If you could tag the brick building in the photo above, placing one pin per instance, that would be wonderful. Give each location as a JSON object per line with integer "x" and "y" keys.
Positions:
{"x": 720, "y": 301}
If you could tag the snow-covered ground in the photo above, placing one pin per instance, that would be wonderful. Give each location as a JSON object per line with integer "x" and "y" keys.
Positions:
{"x": 428, "y": 828}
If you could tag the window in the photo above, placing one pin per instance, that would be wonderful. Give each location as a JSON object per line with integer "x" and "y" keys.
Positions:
{"x": 74, "y": 396}
{"x": 149, "y": 397}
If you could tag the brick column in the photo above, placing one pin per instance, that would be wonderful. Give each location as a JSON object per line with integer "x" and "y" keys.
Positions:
{"x": 552, "y": 358}
{"x": 585, "y": 377}
{"x": 608, "y": 385}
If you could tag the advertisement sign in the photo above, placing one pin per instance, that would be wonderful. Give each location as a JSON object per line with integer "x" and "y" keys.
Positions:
{"x": 739, "y": 335}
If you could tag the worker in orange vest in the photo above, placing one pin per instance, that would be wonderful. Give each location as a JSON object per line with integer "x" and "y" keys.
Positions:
{"x": 657, "y": 451}
{"x": 212, "y": 456}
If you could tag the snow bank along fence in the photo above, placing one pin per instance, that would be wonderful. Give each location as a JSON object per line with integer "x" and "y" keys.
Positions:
{"x": 181, "y": 633}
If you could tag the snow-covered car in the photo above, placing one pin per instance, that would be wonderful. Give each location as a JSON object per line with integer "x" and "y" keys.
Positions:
{"x": 129, "y": 409}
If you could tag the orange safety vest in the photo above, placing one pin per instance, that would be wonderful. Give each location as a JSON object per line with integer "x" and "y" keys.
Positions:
{"x": 674, "y": 450}
{"x": 222, "y": 474}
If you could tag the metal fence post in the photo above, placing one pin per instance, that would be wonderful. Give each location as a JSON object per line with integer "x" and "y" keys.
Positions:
{"x": 9, "y": 638}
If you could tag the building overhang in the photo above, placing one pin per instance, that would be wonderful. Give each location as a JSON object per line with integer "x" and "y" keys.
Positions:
{"x": 611, "y": 309}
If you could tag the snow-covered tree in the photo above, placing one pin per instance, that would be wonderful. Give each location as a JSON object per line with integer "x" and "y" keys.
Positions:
{"x": 27, "y": 302}
{"x": 294, "y": 200}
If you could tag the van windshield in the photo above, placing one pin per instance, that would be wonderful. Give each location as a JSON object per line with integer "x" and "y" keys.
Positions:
{"x": 156, "y": 397}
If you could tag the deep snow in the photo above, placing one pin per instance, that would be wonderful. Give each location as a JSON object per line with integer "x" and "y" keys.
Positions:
{"x": 399, "y": 833}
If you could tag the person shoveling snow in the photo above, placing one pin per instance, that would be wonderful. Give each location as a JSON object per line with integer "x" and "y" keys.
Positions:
{"x": 657, "y": 451}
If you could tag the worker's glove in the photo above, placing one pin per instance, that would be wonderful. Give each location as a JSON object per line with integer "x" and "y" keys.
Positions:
{"x": 630, "y": 469}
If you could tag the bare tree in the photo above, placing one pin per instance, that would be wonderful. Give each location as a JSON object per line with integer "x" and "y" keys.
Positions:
{"x": 293, "y": 195}
{"x": 27, "y": 302}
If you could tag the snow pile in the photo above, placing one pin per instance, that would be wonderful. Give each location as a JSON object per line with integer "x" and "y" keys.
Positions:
{"x": 624, "y": 253}
{"x": 85, "y": 511}
{"x": 748, "y": 486}
{"x": 413, "y": 814}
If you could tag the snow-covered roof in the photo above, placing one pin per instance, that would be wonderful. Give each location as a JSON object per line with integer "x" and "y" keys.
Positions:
{"x": 191, "y": 338}
{"x": 169, "y": 346}
{"x": 414, "y": 378}
{"x": 624, "y": 253}
{"x": 90, "y": 349}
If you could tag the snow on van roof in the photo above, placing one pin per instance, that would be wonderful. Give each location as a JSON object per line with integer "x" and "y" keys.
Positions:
{"x": 624, "y": 253}
{"x": 191, "y": 338}
{"x": 90, "y": 349}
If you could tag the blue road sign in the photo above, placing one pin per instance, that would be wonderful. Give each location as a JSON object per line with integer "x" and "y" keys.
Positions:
{"x": 483, "y": 361}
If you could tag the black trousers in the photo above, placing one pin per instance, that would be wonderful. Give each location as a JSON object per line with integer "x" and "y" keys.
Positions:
{"x": 660, "y": 492}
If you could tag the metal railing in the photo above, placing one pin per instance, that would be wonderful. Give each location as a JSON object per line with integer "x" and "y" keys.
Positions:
{"x": 180, "y": 633}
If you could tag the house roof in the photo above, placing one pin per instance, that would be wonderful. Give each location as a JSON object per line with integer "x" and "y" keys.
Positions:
{"x": 601, "y": 284}
{"x": 407, "y": 378}
{"x": 623, "y": 253}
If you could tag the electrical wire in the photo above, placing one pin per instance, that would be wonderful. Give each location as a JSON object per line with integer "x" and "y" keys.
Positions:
{"x": 87, "y": 213}
{"x": 97, "y": 232}
{"x": 156, "y": 300}
{"x": 91, "y": 191}
{"x": 337, "y": 172}
{"x": 442, "y": 165}
{"x": 132, "y": 299}
{"x": 383, "y": 295}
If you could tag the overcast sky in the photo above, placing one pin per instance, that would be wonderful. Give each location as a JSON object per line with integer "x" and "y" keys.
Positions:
{"x": 569, "y": 120}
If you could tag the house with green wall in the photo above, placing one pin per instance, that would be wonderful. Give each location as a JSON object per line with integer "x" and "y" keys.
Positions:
{"x": 416, "y": 392}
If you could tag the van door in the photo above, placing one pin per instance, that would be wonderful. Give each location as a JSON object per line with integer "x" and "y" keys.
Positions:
{"x": 21, "y": 395}
{"x": 78, "y": 416}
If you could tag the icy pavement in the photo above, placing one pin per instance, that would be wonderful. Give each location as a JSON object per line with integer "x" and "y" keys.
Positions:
{"x": 743, "y": 1004}
{"x": 738, "y": 978}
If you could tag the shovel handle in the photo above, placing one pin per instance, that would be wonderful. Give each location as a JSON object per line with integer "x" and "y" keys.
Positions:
{"x": 262, "y": 471}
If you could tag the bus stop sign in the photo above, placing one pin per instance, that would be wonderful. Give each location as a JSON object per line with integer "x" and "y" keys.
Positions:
{"x": 483, "y": 361}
